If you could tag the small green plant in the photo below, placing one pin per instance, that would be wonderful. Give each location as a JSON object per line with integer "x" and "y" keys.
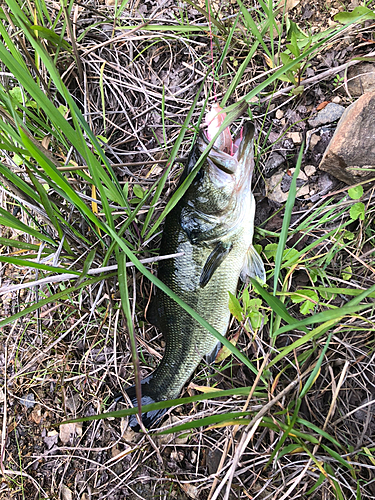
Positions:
{"x": 338, "y": 80}
{"x": 357, "y": 211}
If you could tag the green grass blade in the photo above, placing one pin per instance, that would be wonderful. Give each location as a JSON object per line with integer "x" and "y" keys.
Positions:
{"x": 286, "y": 221}
{"x": 240, "y": 391}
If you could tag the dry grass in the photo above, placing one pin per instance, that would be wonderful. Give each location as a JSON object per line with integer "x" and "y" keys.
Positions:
{"x": 67, "y": 358}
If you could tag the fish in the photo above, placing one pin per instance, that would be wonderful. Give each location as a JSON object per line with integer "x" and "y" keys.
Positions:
{"x": 212, "y": 226}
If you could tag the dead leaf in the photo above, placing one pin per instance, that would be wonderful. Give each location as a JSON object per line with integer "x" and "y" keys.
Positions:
{"x": 36, "y": 414}
{"x": 289, "y": 5}
{"x": 203, "y": 388}
{"x": 224, "y": 351}
{"x": 322, "y": 105}
{"x": 45, "y": 141}
{"x": 269, "y": 61}
{"x": 190, "y": 490}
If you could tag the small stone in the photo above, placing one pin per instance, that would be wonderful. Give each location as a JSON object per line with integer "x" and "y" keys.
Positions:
{"x": 296, "y": 137}
{"x": 273, "y": 188}
{"x": 309, "y": 170}
{"x": 66, "y": 493}
{"x": 279, "y": 114}
{"x": 329, "y": 114}
{"x": 303, "y": 191}
{"x": 336, "y": 99}
{"x": 315, "y": 138}
{"x": 301, "y": 174}
{"x": 350, "y": 155}
{"x": 283, "y": 122}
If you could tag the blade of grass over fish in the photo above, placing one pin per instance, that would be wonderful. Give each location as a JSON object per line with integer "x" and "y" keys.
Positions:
{"x": 172, "y": 157}
{"x": 240, "y": 391}
{"x": 53, "y": 298}
{"x": 286, "y": 221}
{"x": 125, "y": 304}
{"x": 187, "y": 308}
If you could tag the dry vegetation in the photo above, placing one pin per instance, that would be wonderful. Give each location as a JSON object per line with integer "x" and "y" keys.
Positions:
{"x": 134, "y": 71}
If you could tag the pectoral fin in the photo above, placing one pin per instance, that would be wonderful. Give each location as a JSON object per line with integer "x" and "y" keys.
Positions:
{"x": 253, "y": 267}
{"x": 214, "y": 260}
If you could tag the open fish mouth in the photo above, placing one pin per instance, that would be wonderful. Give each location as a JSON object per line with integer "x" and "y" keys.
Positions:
{"x": 227, "y": 154}
{"x": 224, "y": 143}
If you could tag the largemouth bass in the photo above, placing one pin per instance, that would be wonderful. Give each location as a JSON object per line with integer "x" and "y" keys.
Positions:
{"x": 213, "y": 225}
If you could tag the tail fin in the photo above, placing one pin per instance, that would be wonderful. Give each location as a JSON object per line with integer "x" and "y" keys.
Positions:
{"x": 150, "y": 418}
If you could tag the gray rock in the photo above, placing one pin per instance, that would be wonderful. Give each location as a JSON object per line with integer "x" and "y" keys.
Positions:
{"x": 329, "y": 114}
{"x": 350, "y": 155}
{"x": 274, "y": 161}
{"x": 361, "y": 79}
